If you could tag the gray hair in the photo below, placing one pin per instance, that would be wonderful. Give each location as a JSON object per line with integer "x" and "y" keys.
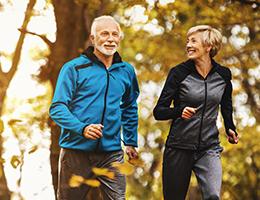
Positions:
{"x": 103, "y": 17}
{"x": 210, "y": 36}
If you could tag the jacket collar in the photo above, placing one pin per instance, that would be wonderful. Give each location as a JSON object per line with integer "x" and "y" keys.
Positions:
{"x": 89, "y": 52}
{"x": 191, "y": 65}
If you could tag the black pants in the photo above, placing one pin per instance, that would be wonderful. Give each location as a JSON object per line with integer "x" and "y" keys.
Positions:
{"x": 178, "y": 165}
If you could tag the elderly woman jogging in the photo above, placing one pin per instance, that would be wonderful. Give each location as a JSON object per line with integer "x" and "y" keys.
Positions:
{"x": 197, "y": 87}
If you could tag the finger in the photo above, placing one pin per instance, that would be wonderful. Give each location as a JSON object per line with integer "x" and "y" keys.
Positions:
{"x": 98, "y": 126}
{"x": 96, "y": 131}
{"x": 236, "y": 139}
{"x": 186, "y": 116}
{"x": 101, "y": 126}
{"x": 188, "y": 112}
{"x": 192, "y": 110}
{"x": 231, "y": 132}
{"x": 93, "y": 135}
{"x": 89, "y": 136}
{"x": 133, "y": 155}
{"x": 130, "y": 153}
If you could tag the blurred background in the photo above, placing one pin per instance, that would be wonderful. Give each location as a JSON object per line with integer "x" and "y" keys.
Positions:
{"x": 38, "y": 36}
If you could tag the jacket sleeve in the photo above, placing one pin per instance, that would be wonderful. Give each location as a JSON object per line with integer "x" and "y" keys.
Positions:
{"x": 226, "y": 106}
{"x": 129, "y": 112}
{"x": 63, "y": 95}
{"x": 163, "y": 109}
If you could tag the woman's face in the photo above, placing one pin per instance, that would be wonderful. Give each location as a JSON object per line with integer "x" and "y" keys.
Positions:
{"x": 195, "y": 48}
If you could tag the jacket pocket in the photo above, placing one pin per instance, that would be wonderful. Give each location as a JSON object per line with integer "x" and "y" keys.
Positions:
{"x": 186, "y": 130}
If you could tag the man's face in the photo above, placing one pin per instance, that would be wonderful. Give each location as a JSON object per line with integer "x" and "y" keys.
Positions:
{"x": 107, "y": 37}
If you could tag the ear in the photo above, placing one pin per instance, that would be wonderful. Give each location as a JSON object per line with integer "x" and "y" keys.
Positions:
{"x": 92, "y": 38}
{"x": 208, "y": 48}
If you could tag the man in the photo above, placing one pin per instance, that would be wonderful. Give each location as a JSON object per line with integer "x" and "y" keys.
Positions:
{"x": 95, "y": 97}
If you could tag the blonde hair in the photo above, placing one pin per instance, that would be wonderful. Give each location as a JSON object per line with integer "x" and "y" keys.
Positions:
{"x": 210, "y": 37}
{"x": 101, "y": 18}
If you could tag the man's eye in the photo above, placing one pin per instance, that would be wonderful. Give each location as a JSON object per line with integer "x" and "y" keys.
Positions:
{"x": 104, "y": 33}
{"x": 115, "y": 34}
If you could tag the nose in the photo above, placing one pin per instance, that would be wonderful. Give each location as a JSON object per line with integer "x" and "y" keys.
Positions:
{"x": 110, "y": 38}
{"x": 188, "y": 44}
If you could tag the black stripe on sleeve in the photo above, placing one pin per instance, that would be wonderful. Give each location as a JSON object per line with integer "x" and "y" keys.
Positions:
{"x": 83, "y": 66}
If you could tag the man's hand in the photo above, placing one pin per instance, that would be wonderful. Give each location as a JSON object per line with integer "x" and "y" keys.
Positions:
{"x": 93, "y": 131}
{"x": 232, "y": 138}
{"x": 131, "y": 152}
{"x": 188, "y": 112}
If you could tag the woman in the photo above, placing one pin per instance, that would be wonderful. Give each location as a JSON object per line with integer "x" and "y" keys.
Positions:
{"x": 197, "y": 87}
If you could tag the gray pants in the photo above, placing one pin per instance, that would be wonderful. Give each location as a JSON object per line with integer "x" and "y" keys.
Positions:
{"x": 178, "y": 165}
{"x": 81, "y": 163}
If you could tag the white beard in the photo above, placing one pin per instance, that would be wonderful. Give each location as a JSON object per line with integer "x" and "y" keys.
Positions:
{"x": 106, "y": 52}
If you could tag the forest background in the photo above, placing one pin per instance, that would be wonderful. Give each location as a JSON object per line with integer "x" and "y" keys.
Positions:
{"x": 38, "y": 36}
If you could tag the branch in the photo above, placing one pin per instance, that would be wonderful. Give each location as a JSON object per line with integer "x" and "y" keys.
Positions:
{"x": 43, "y": 37}
{"x": 18, "y": 49}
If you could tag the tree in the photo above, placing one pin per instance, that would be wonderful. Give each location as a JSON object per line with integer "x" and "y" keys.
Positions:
{"x": 5, "y": 79}
{"x": 73, "y": 20}
{"x": 153, "y": 51}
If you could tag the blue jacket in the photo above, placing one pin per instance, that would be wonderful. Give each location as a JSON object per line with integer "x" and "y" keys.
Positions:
{"x": 89, "y": 93}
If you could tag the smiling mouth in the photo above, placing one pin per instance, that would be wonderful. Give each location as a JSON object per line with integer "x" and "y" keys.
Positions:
{"x": 190, "y": 51}
{"x": 110, "y": 46}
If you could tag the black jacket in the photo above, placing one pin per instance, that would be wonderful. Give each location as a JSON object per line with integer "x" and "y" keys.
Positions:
{"x": 186, "y": 87}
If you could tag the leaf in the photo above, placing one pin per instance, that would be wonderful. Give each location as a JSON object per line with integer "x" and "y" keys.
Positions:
{"x": 103, "y": 172}
{"x": 76, "y": 181}
{"x": 15, "y": 161}
{"x": 2, "y": 160}
{"x": 92, "y": 182}
{"x": 136, "y": 162}
{"x": 124, "y": 168}
{"x": 1, "y": 126}
{"x": 33, "y": 149}
{"x": 11, "y": 122}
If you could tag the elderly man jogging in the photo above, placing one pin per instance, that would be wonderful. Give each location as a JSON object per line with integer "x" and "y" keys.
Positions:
{"x": 95, "y": 98}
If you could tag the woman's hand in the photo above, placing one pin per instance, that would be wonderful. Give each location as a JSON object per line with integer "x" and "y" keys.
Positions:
{"x": 188, "y": 112}
{"x": 233, "y": 137}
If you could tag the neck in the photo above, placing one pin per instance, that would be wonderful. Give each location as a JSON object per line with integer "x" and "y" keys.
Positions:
{"x": 106, "y": 60}
{"x": 203, "y": 65}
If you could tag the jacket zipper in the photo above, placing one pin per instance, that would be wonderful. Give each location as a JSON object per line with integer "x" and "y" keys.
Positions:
{"x": 202, "y": 114}
{"x": 105, "y": 104}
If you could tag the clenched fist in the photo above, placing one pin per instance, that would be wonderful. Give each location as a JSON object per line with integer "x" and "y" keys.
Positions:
{"x": 93, "y": 131}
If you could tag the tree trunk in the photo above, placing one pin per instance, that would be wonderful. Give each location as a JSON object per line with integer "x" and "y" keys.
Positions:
{"x": 73, "y": 21}
{"x": 71, "y": 36}
{"x": 5, "y": 79}
{"x": 4, "y": 191}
